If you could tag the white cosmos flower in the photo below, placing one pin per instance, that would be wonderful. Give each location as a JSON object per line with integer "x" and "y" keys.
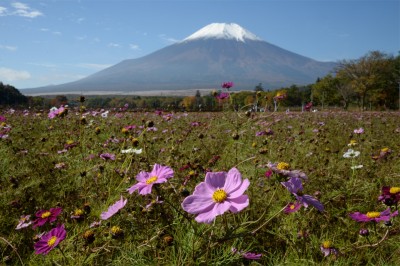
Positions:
{"x": 131, "y": 150}
{"x": 350, "y": 153}
{"x": 105, "y": 114}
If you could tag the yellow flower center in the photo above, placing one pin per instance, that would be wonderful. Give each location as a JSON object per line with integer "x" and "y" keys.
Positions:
{"x": 116, "y": 230}
{"x": 373, "y": 214}
{"x": 78, "y": 212}
{"x": 46, "y": 214}
{"x": 88, "y": 234}
{"x": 292, "y": 206}
{"x": 327, "y": 244}
{"x": 151, "y": 180}
{"x": 69, "y": 142}
{"x": 352, "y": 142}
{"x": 219, "y": 196}
{"x": 385, "y": 150}
{"x": 283, "y": 166}
{"x": 124, "y": 130}
{"x": 52, "y": 241}
{"x": 394, "y": 190}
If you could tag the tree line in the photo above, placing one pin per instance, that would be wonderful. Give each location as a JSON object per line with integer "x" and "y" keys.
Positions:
{"x": 370, "y": 82}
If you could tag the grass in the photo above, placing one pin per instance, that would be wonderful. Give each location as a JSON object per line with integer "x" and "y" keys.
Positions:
{"x": 36, "y": 173}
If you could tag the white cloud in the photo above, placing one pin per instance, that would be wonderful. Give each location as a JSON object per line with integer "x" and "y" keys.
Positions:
{"x": 80, "y": 38}
{"x": 9, "y": 74}
{"x": 3, "y": 11}
{"x": 23, "y": 10}
{"x": 115, "y": 45}
{"x": 19, "y": 5}
{"x": 168, "y": 39}
{"x": 94, "y": 66}
{"x": 47, "y": 65}
{"x": 134, "y": 46}
{"x": 9, "y": 48}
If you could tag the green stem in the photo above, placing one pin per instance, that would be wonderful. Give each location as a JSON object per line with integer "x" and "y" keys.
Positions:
{"x": 267, "y": 221}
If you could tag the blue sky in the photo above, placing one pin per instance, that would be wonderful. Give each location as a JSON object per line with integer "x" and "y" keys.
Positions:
{"x": 47, "y": 42}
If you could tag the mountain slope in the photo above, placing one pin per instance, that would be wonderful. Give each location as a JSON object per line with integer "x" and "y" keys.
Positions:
{"x": 214, "y": 54}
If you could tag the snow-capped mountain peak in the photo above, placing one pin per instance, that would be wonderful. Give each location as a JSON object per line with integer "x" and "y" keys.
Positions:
{"x": 223, "y": 31}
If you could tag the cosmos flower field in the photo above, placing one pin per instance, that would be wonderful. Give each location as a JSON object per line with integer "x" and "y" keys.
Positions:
{"x": 116, "y": 187}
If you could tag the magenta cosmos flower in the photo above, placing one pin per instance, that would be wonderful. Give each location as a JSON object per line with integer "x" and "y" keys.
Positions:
{"x": 292, "y": 207}
{"x": 294, "y": 186}
{"x": 113, "y": 209}
{"x": 44, "y": 216}
{"x": 50, "y": 240}
{"x": 373, "y": 216}
{"x": 390, "y": 195}
{"x": 227, "y": 85}
{"x": 222, "y": 96}
{"x": 219, "y": 193}
{"x": 158, "y": 175}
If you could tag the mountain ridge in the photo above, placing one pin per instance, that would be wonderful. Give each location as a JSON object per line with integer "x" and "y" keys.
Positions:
{"x": 204, "y": 61}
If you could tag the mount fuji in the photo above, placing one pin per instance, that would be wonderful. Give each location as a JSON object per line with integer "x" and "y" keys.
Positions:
{"x": 216, "y": 53}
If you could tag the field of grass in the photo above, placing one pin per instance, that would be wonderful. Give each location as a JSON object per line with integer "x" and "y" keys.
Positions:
{"x": 68, "y": 171}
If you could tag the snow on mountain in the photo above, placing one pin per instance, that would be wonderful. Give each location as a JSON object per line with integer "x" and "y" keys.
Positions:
{"x": 229, "y": 31}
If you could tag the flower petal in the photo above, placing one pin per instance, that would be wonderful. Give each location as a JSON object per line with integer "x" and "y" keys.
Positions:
{"x": 203, "y": 190}
{"x": 239, "y": 190}
{"x": 215, "y": 180}
{"x": 239, "y": 203}
{"x": 294, "y": 185}
{"x": 135, "y": 187}
{"x": 142, "y": 176}
{"x": 309, "y": 200}
{"x": 196, "y": 204}
{"x": 161, "y": 171}
{"x": 145, "y": 189}
{"x": 209, "y": 216}
{"x": 233, "y": 180}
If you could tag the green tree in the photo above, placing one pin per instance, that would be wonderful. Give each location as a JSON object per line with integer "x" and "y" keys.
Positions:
{"x": 324, "y": 91}
{"x": 11, "y": 96}
{"x": 259, "y": 87}
{"x": 367, "y": 75}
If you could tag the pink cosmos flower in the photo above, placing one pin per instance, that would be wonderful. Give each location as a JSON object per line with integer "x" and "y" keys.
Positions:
{"x": 294, "y": 186}
{"x": 158, "y": 175}
{"x": 24, "y": 221}
{"x": 44, "y": 216}
{"x": 373, "y": 216}
{"x": 219, "y": 193}
{"x": 113, "y": 209}
{"x": 282, "y": 169}
{"x": 50, "y": 240}
{"x": 247, "y": 255}
{"x": 359, "y": 130}
{"x": 107, "y": 156}
{"x": 327, "y": 249}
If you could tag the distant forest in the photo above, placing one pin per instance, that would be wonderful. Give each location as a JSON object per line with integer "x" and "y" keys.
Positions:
{"x": 370, "y": 82}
